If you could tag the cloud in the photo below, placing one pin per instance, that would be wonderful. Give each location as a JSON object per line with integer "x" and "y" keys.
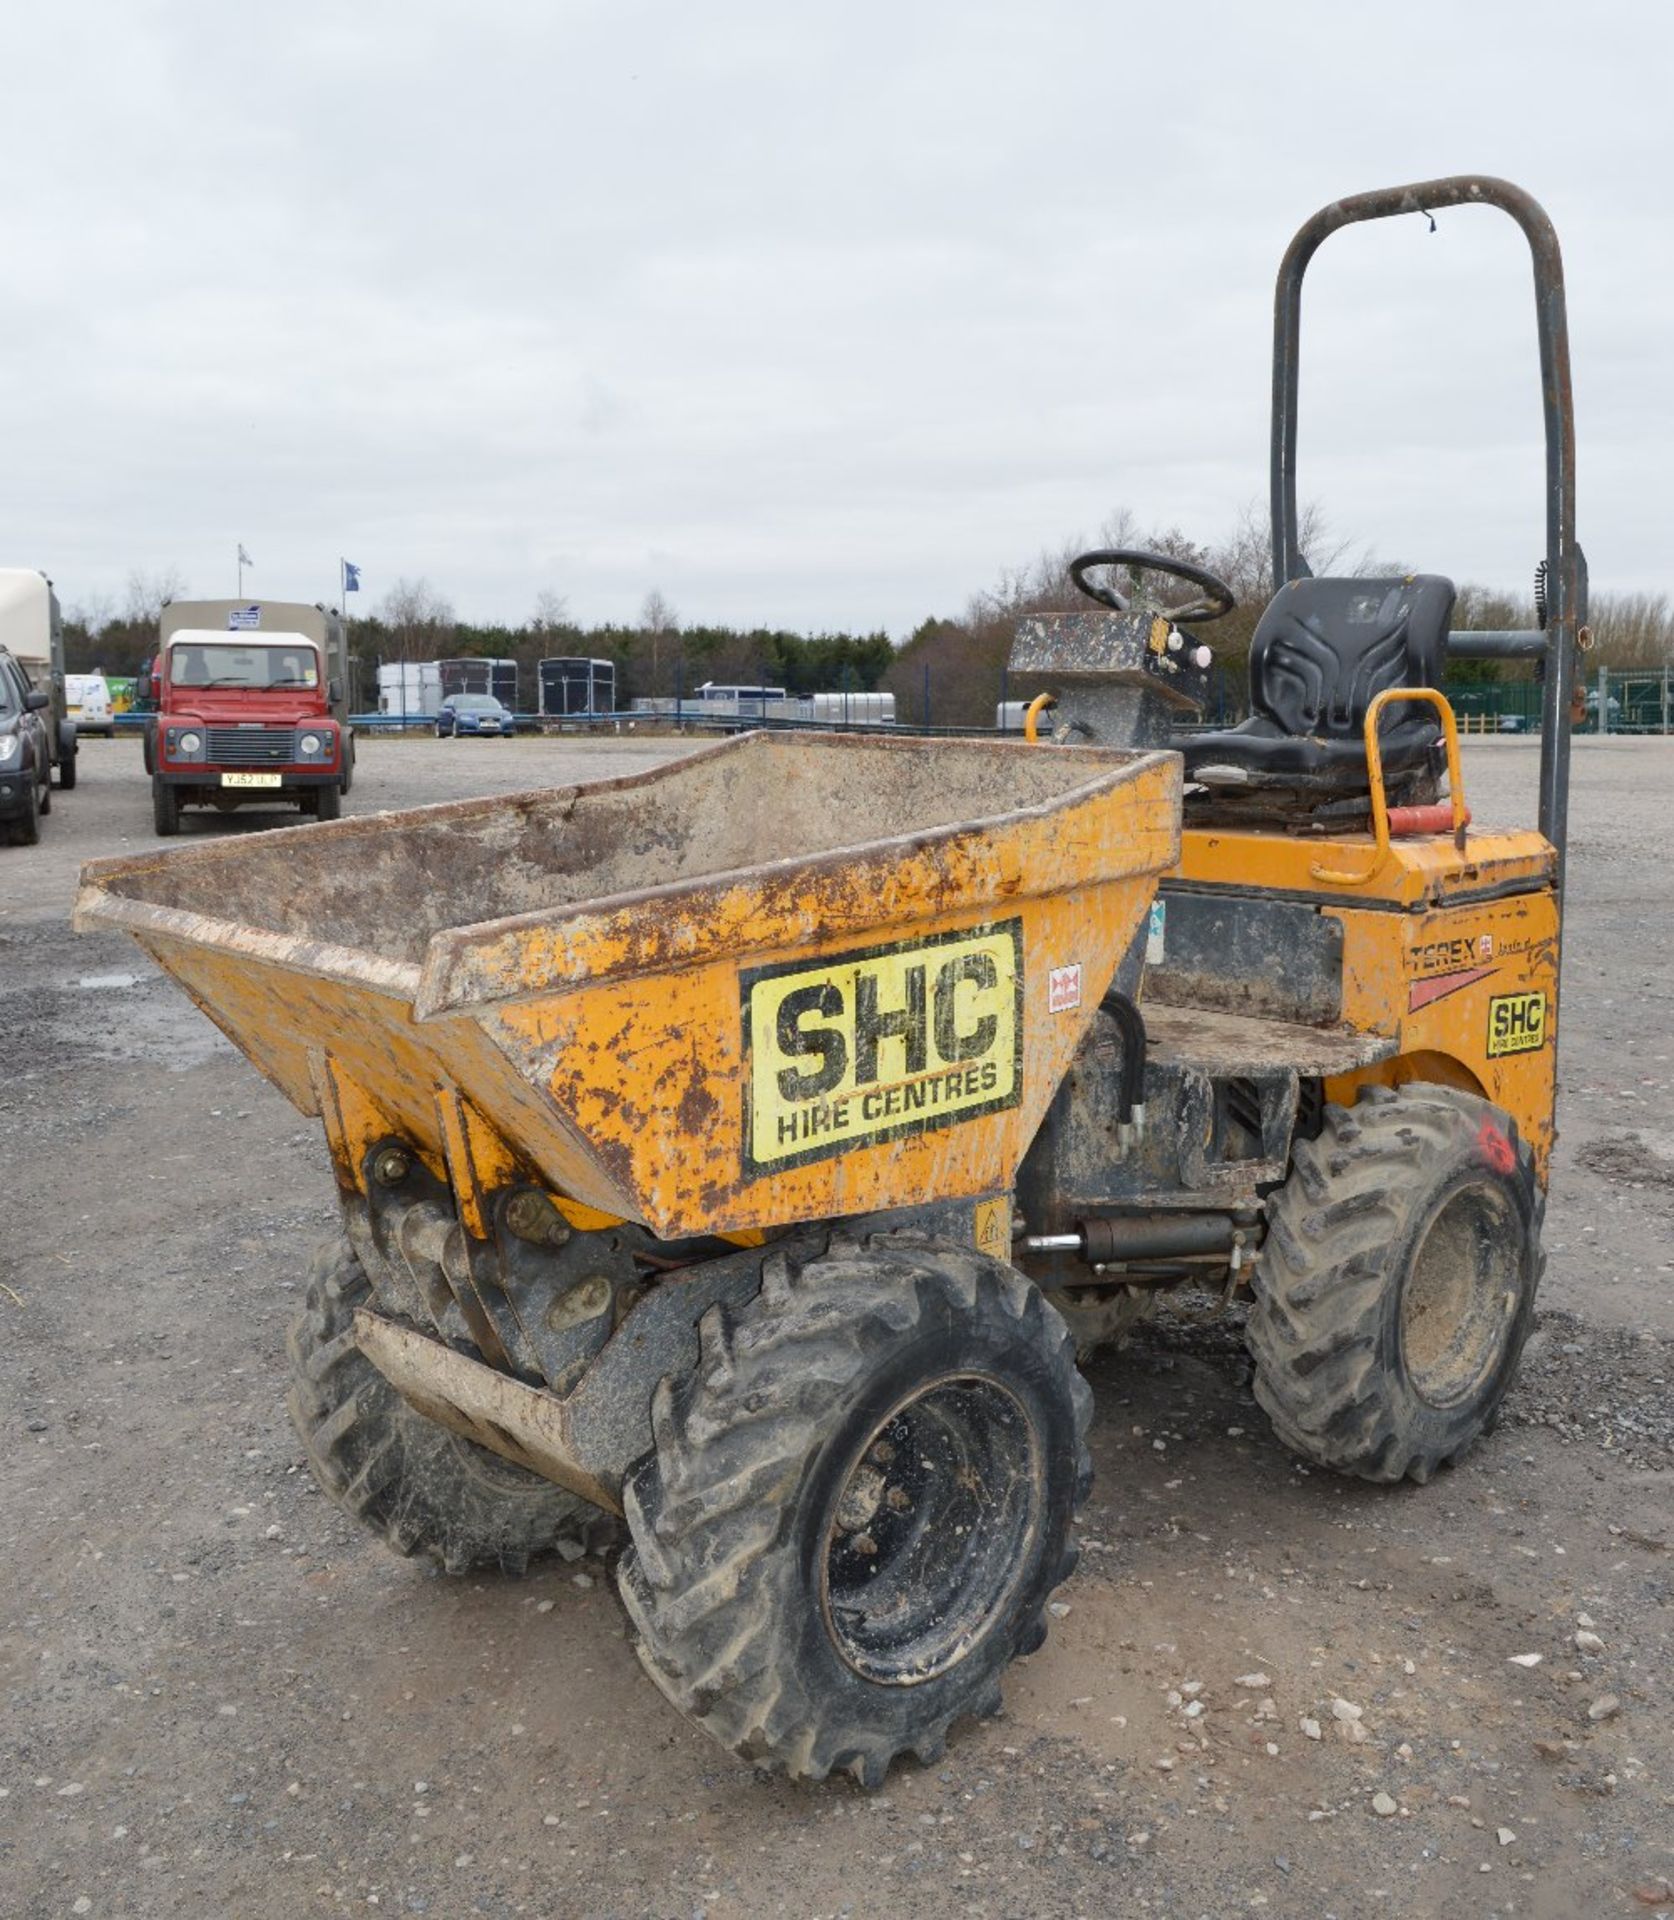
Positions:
{"x": 807, "y": 318}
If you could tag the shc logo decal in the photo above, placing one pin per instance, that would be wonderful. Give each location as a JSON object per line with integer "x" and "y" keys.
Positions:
{"x": 870, "y": 1046}
{"x": 1516, "y": 1023}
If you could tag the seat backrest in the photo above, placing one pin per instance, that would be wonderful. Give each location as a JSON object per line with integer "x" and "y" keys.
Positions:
{"x": 1323, "y": 648}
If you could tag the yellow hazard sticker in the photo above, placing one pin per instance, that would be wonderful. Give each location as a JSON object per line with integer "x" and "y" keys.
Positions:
{"x": 869, "y": 1046}
{"x": 1516, "y": 1023}
{"x": 991, "y": 1228}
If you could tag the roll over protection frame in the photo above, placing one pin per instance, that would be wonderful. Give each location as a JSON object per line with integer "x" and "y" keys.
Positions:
{"x": 1566, "y": 570}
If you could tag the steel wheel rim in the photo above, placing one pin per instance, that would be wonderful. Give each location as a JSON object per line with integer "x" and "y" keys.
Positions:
{"x": 1459, "y": 1296}
{"x": 929, "y": 1533}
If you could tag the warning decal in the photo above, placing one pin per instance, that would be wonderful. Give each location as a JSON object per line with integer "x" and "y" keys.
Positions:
{"x": 991, "y": 1224}
{"x": 863, "y": 1047}
{"x": 1516, "y": 1023}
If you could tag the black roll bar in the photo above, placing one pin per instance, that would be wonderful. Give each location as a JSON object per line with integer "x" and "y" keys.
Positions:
{"x": 1566, "y": 575}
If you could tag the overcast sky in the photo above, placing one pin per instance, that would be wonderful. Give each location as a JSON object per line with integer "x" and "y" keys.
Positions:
{"x": 817, "y": 317}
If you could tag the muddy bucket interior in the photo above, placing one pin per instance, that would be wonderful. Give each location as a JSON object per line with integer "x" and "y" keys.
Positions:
{"x": 387, "y": 884}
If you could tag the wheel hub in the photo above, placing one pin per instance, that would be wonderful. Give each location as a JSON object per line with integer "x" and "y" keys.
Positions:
{"x": 930, "y": 1532}
{"x": 1459, "y": 1296}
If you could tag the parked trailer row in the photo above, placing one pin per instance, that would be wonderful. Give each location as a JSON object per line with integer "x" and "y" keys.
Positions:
{"x": 761, "y": 703}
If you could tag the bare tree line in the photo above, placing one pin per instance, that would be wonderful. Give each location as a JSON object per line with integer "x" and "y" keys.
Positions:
{"x": 958, "y": 660}
{"x": 956, "y": 665}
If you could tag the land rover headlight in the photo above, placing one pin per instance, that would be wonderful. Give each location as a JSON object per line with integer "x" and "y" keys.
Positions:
{"x": 9, "y": 744}
{"x": 309, "y": 745}
{"x": 191, "y": 743}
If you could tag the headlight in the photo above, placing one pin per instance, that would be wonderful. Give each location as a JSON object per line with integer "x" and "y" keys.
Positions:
{"x": 9, "y": 745}
{"x": 309, "y": 744}
{"x": 191, "y": 743}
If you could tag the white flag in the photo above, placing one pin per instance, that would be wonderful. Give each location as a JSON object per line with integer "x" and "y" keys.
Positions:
{"x": 244, "y": 559}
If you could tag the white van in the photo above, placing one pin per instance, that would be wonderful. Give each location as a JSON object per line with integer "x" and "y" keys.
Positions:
{"x": 87, "y": 701}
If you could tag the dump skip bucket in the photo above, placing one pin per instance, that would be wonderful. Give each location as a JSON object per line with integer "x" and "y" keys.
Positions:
{"x": 780, "y": 979}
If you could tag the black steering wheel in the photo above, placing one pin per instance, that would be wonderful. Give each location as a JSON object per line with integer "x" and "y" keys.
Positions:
{"x": 1215, "y": 599}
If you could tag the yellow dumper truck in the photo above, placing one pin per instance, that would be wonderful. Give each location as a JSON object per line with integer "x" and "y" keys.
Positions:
{"x": 747, "y": 1148}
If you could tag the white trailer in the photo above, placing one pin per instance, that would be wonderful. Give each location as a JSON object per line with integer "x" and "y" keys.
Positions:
{"x": 410, "y": 687}
{"x": 32, "y": 631}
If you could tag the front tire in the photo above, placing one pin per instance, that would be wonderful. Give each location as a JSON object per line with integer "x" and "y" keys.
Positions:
{"x": 1396, "y": 1285}
{"x": 857, "y": 1504}
{"x": 165, "y": 808}
{"x": 328, "y": 802}
{"x": 412, "y": 1481}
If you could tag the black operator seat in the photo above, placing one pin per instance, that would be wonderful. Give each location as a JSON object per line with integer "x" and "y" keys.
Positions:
{"x": 1319, "y": 654}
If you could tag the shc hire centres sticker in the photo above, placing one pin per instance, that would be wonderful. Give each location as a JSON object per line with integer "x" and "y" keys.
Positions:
{"x": 863, "y": 1047}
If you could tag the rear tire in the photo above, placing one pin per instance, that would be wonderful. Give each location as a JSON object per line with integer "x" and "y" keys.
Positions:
{"x": 1396, "y": 1285}
{"x": 165, "y": 808}
{"x": 857, "y": 1505}
{"x": 415, "y": 1483}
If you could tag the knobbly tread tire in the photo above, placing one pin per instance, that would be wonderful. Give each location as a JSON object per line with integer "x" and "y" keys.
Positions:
{"x": 716, "y": 1580}
{"x": 424, "y": 1489}
{"x": 1323, "y": 1331}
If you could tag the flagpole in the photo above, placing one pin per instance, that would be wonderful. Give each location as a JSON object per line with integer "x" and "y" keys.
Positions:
{"x": 241, "y": 569}
{"x": 343, "y": 611}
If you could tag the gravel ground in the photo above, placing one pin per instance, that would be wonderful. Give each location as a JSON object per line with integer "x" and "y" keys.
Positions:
{"x": 220, "y": 1698}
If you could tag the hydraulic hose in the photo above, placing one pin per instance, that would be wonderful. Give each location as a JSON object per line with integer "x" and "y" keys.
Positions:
{"x": 1131, "y": 1092}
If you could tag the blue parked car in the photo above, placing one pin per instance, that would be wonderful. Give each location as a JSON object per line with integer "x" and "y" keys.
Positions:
{"x": 462, "y": 713}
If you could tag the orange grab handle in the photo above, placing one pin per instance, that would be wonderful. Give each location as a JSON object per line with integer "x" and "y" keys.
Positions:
{"x": 1452, "y": 816}
{"x": 1037, "y": 707}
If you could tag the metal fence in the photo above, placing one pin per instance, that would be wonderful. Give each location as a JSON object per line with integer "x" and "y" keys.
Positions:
{"x": 1629, "y": 699}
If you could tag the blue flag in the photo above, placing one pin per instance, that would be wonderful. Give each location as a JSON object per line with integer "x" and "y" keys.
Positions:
{"x": 351, "y": 577}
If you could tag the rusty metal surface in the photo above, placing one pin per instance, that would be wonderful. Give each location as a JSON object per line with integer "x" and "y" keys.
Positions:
{"x": 1116, "y": 678}
{"x": 1108, "y": 648}
{"x": 1250, "y": 1044}
{"x": 587, "y": 1439}
{"x": 1245, "y": 953}
{"x": 1192, "y": 1150}
{"x": 520, "y": 1423}
{"x": 1418, "y": 872}
{"x": 571, "y": 962}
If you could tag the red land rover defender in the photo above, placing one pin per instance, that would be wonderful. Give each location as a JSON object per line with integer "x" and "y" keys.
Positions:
{"x": 250, "y": 710}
